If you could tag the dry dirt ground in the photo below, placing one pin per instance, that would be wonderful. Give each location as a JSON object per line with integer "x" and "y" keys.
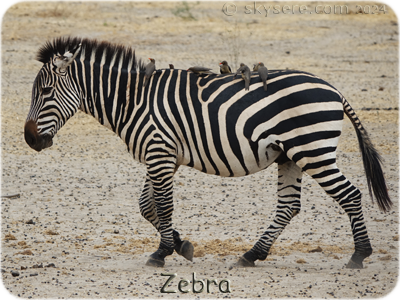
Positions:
{"x": 75, "y": 230}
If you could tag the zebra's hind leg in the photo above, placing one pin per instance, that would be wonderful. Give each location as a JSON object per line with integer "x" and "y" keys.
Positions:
{"x": 349, "y": 198}
{"x": 289, "y": 191}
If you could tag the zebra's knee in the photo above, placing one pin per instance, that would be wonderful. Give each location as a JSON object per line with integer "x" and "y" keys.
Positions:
{"x": 296, "y": 207}
{"x": 292, "y": 209}
{"x": 144, "y": 213}
{"x": 288, "y": 211}
{"x": 151, "y": 217}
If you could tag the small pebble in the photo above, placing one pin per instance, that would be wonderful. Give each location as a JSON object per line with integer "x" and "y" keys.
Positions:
{"x": 14, "y": 273}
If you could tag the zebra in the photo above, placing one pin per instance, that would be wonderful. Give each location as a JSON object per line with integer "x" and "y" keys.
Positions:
{"x": 210, "y": 123}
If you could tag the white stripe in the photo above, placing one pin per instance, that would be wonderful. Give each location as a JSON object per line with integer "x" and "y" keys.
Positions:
{"x": 101, "y": 83}
{"x": 93, "y": 100}
{"x": 128, "y": 89}
{"x": 115, "y": 101}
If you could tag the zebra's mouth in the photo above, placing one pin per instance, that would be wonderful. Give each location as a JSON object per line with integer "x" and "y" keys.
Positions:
{"x": 34, "y": 140}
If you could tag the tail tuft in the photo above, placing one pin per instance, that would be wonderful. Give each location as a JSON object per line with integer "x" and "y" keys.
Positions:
{"x": 372, "y": 162}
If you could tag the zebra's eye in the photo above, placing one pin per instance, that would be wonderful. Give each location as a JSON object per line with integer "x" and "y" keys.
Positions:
{"x": 47, "y": 90}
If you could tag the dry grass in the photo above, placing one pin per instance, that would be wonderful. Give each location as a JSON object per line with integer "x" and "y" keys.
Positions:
{"x": 9, "y": 237}
{"x": 318, "y": 249}
{"x": 51, "y": 232}
{"x": 25, "y": 252}
{"x": 385, "y": 258}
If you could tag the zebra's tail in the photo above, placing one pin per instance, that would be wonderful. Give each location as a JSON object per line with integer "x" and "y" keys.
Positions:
{"x": 371, "y": 160}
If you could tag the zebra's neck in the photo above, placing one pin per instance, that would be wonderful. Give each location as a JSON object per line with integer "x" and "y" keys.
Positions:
{"x": 113, "y": 95}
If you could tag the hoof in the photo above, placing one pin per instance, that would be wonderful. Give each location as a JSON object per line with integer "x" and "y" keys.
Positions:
{"x": 151, "y": 262}
{"x": 187, "y": 250}
{"x": 356, "y": 260}
{"x": 242, "y": 263}
{"x": 353, "y": 265}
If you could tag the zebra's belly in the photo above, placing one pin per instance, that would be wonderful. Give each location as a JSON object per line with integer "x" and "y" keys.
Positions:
{"x": 228, "y": 163}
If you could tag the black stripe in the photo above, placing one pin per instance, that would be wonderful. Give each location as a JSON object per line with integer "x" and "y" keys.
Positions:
{"x": 313, "y": 153}
{"x": 319, "y": 164}
{"x": 308, "y": 138}
{"x": 332, "y": 181}
{"x": 325, "y": 173}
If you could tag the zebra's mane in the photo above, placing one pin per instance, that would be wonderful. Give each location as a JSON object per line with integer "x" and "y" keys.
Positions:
{"x": 59, "y": 46}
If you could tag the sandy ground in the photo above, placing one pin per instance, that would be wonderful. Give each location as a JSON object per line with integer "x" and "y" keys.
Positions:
{"x": 75, "y": 231}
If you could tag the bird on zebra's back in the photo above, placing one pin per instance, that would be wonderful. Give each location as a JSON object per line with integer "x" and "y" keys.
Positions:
{"x": 200, "y": 70}
{"x": 150, "y": 68}
{"x": 246, "y": 74}
{"x": 263, "y": 72}
{"x": 224, "y": 67}
{"x": 255, "y": 67}
{"x": 171, "y": 66}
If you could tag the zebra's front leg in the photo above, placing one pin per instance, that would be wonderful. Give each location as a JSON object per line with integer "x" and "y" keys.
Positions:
{"x": 148, "y": 211}
{"x": 289, "y": 191}
{"x": 156, "y": 205}
{"x": 147, "y": 205}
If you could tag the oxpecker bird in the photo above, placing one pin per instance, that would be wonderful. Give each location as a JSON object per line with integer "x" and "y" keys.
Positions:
{"x": 246, "y": 74}
{"x": 150, "y": 68}
{"x": 224, "y": 67}
{"x": 263, "y": 72}
{"x": 200, "y": 70}
{"x": 171, "y": 66}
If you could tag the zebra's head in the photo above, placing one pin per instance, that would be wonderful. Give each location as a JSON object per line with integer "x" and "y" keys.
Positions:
{"x": 55, "y": 98}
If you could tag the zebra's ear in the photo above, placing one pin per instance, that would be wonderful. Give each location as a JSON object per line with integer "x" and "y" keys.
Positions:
{"x": 63, "y": 61}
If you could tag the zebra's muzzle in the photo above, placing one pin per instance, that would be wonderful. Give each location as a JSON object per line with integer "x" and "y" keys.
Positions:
{"x": 34, "y": 140}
